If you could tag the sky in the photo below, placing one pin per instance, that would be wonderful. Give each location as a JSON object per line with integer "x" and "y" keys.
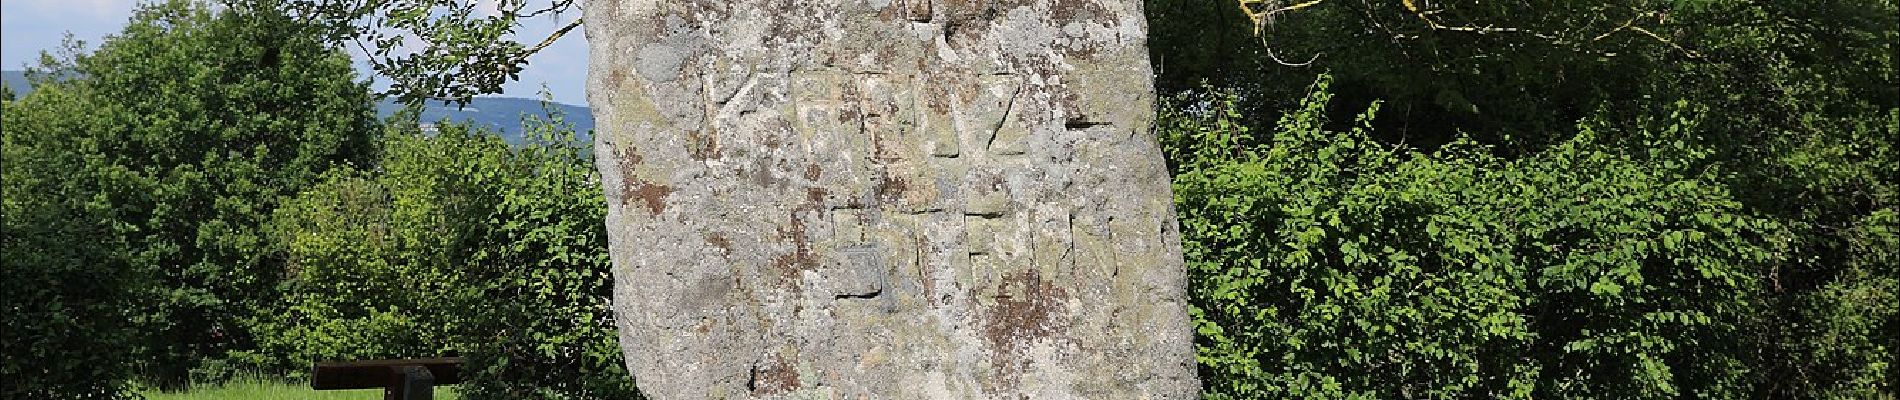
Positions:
{"x": 28, "y": 27}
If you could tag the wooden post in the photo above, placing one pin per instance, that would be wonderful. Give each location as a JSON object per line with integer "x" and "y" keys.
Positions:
{"x": 413, "y": 383}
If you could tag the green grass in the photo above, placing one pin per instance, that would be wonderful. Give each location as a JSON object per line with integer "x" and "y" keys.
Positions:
{"x": 265, "y": 389}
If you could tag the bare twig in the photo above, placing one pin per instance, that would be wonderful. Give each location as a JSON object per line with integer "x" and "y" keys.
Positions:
{"x": 1276, "y": 58}
{"x": 1419, "y": 9}
{"x": 1262, "y": 18}
{"x": 1659, "y": 38}
{"x": 551, "y": 38}
{"x": 557, "y": 7}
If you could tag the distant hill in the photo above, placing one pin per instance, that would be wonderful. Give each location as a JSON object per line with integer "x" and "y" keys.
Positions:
{"x": 502, "y": 114}
{"x": 17, "y": 81}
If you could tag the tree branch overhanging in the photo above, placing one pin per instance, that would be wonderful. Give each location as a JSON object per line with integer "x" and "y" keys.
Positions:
{"x": 553, "y": 37}
{"x": 1262, "y": 13}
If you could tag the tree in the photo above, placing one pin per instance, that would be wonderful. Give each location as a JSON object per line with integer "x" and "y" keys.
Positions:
{"x": 458, "y": 244}
{"x": 432, "y": 49}
{"x": 1798, "y": 106}
{"x": 56, "y": 248}
{"x": 172, "y": 144}
{"x": 1516, "y": 75}
{"x": 1326, "y": 264}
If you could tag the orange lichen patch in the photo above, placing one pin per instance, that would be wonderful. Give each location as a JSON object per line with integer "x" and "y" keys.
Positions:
{"x": 776, "y": 139}
{"x": 776, "y": 378}
{"x": 702, "y": 145}
{"x": 1067, "y": 11}
{"x": 720, "y": 241}
{"x": 792, "y": 22}
{"x": 1023, "y": 310}
{"x": 851, "y": 113}
{"x": 975, "y": 13}
{"x": 1027, "y": 308}
{"x": 936, "y": 96}
{"x": 815, "y": 194}
{"x": 926, "y": 272}
{"x": 891, "y": 189}
{"x": 617, "y": 78}
{"x": 628, "y": 159}
{"x": 801, "y": 258}
{"x": 654, "y": 195}
{"x": 895, "y": 11}
{"x": 992, "y": 182}
{"x": 881, "y": 149}
{"x": 918, "y": 10}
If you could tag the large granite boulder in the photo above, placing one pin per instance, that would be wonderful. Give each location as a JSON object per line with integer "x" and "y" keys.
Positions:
{"x": 934, "y": 199}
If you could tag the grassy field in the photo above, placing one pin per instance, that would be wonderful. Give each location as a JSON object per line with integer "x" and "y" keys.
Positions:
{"x": 260, "y": 389}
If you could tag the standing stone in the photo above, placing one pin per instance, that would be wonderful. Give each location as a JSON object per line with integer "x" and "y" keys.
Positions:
{"x": 850, "y": 199}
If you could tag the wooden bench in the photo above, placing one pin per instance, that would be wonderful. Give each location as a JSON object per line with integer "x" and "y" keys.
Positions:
{"x": 407, "y": 379}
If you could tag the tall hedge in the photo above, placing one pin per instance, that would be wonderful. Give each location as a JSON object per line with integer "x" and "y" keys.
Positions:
{"x": 58, "y": 272}
{"x": 459, "y": 244}
{"x": 137, "y": 186}
{"x": 1326, "y": 264}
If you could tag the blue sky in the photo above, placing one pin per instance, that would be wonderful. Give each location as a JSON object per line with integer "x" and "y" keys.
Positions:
{"x": 30, "y": 26}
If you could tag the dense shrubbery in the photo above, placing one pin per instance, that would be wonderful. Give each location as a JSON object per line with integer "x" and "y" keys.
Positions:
{"x": 209, "y": 193}
{"x": 137, "y": 185}
{"x": 1703, "y": 207}
{"x": 458, "y": 243}
{"x": 60, "y": 276}
{"x": 1328, "y": 264}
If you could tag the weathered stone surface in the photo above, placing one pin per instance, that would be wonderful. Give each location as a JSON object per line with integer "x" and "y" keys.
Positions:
{"x": 939, "y": 199}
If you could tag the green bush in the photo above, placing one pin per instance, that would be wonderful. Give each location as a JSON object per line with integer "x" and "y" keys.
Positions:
{"x": 1325, "y": 264}
{"x": 458, "y": 244}
{"x": 66, "y": 302}
{"x": 1780, "y": 114}
{"x": 137, "y": 185}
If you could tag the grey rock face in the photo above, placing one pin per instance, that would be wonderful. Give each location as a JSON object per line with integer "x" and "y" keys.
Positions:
{"x": 847, "y": 199}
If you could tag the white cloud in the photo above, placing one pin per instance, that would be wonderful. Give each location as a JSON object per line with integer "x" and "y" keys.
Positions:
{"x": 31, "y": 26}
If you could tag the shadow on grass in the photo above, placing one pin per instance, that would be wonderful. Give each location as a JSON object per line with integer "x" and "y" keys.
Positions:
{"x": 271, "y": 389}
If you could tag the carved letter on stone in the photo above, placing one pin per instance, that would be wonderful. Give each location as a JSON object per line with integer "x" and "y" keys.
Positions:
{"x": 908, "y": 199}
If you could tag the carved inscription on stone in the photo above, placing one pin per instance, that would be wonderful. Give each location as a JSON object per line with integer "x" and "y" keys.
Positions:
{"x": 935, "y": 199}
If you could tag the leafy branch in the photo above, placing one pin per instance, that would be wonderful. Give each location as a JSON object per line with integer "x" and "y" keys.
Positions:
{"x": 446, "y": 50}
{"x": 1262, "y": 14}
